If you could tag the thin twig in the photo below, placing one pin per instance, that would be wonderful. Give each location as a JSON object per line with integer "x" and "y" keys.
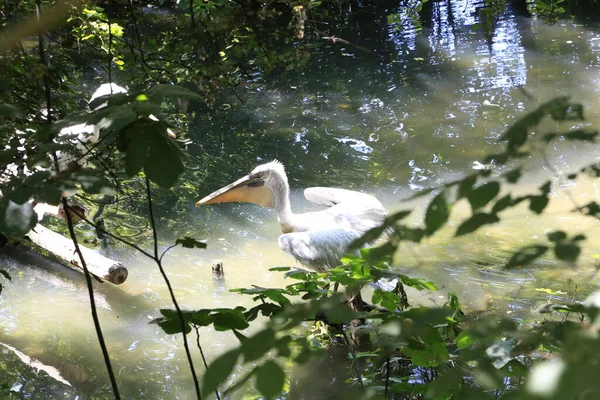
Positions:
{"x": 197, "y": 328}
{"x": 88, "y": 277}
{"x": 387, "y": 376}
{"x": 168, "y": 283}
{"x": 88, "y": 280}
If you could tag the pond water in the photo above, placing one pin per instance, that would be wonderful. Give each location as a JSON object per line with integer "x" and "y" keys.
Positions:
{"x": 390, "y": 113}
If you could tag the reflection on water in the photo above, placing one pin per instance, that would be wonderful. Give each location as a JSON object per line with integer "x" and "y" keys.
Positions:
{"x": 414, "y": 112}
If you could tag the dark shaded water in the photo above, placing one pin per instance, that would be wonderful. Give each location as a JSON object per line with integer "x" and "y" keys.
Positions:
{"x": 394, "y": 111}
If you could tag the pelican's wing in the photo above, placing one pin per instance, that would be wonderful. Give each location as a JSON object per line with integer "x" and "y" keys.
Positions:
{"x": 350, "y": 210}
{"x": 318, "y": 250}
{"x": 333, "y": 196}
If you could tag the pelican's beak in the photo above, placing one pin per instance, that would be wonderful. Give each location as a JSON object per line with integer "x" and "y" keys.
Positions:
{"x": 249, "y": 189}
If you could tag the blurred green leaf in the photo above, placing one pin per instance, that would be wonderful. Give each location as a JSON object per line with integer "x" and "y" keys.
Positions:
{"x": 270, "y": 379}
{"x": 475, "y": 222}
{"x": 8, "y": 110}
{"x": 538, "y": 203}
{"x": 277, "y": 269}
{"x": 502, "y": 204}
{"x": 170, "y": 322}
{"x": 464, "y": 340}
{"x": 5, "y": 274}
{"x": 219, "y": 370}
{"x": 190, "y": 243}
{"x": 93, "y": 181}
{"x": 417, "y": 283}
{"x": 567, "y": 251}
{"x": 158, "y": 92}
{"x": 258, "y": 345}
{"x": 513, "y": 176}
{"x": 137, "y": 152}
{"x": 374, "y": 233}
{"x": 466, "y": 185}
{"x": 7, "y": 156}
{"x": 437, "y": 214}
{"x": 225, "y": 320}
{"x": 111, "y": 100}
{"x": 16, "y": 219}
{"x": 163, "y": 153}
{"x": 525, "y": 256}
{"x": 483, "y": 194}
{"x": 556, "y": 236}
{"x": 118, "y": 120}
{"x": 431, "y": 356}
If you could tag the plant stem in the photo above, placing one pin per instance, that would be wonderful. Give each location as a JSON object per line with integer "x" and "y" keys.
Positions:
{"x": 157, "y": 258}
{"x": 88, "y": 280}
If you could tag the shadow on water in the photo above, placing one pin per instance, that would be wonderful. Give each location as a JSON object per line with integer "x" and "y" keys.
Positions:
{"x": 394, "y": 111}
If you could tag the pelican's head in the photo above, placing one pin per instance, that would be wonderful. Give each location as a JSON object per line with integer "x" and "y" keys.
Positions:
{"x": 259, "y": 187}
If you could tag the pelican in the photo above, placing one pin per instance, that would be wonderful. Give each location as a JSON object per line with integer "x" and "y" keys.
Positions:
{"x": 316, "y": 239}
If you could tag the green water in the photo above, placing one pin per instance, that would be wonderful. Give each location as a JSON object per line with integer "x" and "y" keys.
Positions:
{"x": 394, "y": 112}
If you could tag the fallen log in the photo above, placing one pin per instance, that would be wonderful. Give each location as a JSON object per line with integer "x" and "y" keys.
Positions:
{"x": 64, "y": 249}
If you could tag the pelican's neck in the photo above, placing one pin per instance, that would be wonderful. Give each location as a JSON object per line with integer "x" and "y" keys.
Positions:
{"x": 281, "y": 193}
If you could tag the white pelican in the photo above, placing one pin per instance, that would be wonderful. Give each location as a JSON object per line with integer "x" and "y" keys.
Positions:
{"x": 316, "y": 239}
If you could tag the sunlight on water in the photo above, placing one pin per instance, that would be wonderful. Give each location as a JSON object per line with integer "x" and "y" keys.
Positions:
{"x": 423, "y": 119}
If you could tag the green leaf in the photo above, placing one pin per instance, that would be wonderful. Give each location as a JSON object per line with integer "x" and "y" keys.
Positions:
{"x": 190, "y": 243}
{"x": 111, "y": 100}
{"x": 118, "y": 120}
{"x": 145, "y": 108}
{"x": 502, "y": 204}
{"x": 372, "y": 234}
{"x": 417, "y": 283}
{"x": 556, "y": 236}
{"x": 16, "y": 219}
{"x": 538, "y": 203}
{"x": 158, "y": 92}
{"x": 567, "y": 251}
{"x": 437, "y": 214}
{"x": 421, "y": 193}
{"x": 93, "y": 181}
{"x": 466, "y": 185}
{"x": 464, "y": 340}
{"x": 8, "y": 110}
{"x": 5, "y": 274}
{"x": 171, "y": 323}
{"x": 432, "y": 356}
{"x": 280, "y": 269}
{"x": 475, "y": 222}
{"x": 258, "y": 345}
{"x": 6, "y": 156}
{"x": 164, "y": 164}
{"x": 383, "y": 253}
{"x": 136, "y": 154}
{"x": 20, "y": 194}
{"x": 525, "y": 256}
{"x": 273, "y": 294}
{"x": 270, "y": 379}
{"x": 513, "y": 176}
{"x": 518, "y": 132}
{"x": 219, "y": 370}
{"x": 225, "y": 320}
{"x": 592, "y": 209}
{"x": 482, "y": 195}
{"x": 48, "y": 194}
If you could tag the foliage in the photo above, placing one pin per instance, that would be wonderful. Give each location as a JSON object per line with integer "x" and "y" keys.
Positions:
{"x": 411, "y": 352}
{"x": 427, "y": 352}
